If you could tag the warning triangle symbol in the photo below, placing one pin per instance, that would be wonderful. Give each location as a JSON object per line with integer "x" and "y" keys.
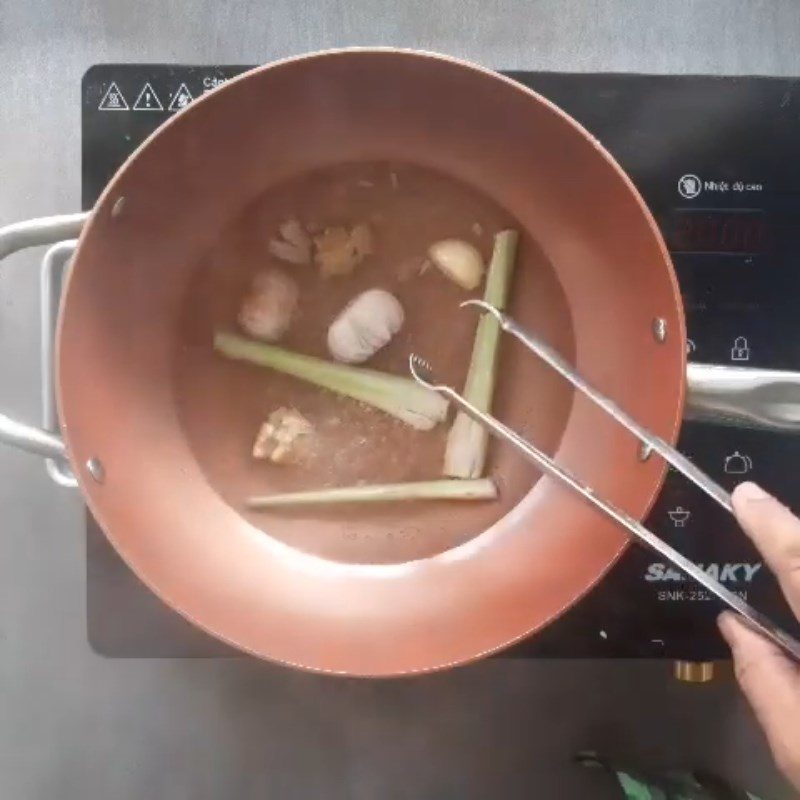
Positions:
{"x": 113, "y": 100}
{"x": 147, "y": 100}
{"x": 180, "y": 99}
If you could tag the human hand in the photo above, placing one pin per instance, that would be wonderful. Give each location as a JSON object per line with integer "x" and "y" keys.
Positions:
{"x": 769, "y": 679}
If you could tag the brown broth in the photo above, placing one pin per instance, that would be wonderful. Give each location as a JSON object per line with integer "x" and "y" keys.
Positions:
{"x": 408, "y": 208}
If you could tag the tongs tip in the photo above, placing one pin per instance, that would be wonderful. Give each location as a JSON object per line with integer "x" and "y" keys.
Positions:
{"x": 484, "y": 306}
{"x": 421, "y": 370}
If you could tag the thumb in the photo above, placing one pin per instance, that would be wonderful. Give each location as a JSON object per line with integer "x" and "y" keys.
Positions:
{"x": 775, "y": 531}
{"x": 771, "y": 684}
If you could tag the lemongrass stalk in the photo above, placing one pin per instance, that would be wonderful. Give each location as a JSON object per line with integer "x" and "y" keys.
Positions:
{"x": 399, "y": 396}
{"x": 481, "y": 489}
{"x": 467, "y": 441}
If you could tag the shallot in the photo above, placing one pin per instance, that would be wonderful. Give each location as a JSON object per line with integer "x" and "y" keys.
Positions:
{"x": 267, "y": 310}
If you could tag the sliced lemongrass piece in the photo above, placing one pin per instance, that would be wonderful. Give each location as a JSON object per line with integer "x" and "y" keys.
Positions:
{"x": 481, "y": 489}
{"x": 399, "y": 396}
{"x": 465, "y": 453}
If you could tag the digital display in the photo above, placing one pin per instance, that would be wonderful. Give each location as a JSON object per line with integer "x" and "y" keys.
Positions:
{"x": 710, "y": 231}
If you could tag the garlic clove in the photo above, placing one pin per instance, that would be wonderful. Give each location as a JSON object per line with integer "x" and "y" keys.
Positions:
{"x": 458, "y": 260}
{"x": 364, "y": 326}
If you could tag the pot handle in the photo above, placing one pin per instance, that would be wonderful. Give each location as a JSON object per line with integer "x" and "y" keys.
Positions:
{"x": 13, "y": 238}
{"x": 744, "y": 397}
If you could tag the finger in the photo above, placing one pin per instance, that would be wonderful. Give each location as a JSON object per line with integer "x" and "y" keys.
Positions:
{"x": 775, "y": 531}
{"x": 771, "y": 683}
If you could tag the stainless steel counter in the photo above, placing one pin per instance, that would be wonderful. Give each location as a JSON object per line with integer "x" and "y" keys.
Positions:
{"x": 76, "y": 726}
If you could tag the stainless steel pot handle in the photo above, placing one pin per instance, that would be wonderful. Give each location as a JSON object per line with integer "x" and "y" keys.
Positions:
{"x": 55, "y": 264}
{"x": 744, "y": 397}
{"x": 19, "y": 236}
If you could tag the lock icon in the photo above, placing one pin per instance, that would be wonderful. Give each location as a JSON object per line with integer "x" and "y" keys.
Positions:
{"x": 740, "y": 350}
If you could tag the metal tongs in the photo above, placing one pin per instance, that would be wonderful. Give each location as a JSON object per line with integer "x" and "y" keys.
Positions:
{"x": 423, "y": 374}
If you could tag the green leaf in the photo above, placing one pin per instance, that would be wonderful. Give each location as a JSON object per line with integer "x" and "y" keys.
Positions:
{"x": 634, "y": 790}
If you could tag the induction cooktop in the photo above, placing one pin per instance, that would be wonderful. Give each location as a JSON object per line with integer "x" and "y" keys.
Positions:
{"x": 715, "y": 160}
